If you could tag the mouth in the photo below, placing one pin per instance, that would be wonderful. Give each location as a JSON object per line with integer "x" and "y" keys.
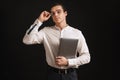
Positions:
{"x": 57, "y": 18}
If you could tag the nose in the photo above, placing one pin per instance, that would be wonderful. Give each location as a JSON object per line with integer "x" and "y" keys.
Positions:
{"x": 56, "y": 14}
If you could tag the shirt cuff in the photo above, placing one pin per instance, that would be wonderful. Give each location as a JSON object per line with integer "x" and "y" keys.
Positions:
{"x": 39, "y": 23}
{"x": 71, "y": 62}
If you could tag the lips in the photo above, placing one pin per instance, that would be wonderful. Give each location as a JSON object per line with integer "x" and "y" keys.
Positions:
{"x": 57, "y": 18}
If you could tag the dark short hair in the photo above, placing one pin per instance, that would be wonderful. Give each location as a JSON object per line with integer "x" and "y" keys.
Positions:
{"x": 58, "y": 3}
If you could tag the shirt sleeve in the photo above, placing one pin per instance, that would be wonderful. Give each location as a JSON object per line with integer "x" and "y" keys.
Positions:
{"x": 84, "y": 55}
{"x": 32, "y": 35}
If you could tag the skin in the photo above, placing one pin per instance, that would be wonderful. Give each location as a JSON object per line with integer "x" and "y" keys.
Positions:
{"x": 59, "y": 18}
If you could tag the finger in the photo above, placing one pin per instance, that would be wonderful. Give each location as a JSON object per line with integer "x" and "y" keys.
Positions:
{"x": 58, "y": 63}
{"x": 57, "y": 60}
{"x": 59, "y": 57}
{"x": 46, "y": 13}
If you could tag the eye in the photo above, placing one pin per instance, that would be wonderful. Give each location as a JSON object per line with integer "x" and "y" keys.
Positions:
{"x": 58, "y": 11}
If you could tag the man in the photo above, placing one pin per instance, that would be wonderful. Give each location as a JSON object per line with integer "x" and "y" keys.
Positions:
{"x": 50, "y": 37}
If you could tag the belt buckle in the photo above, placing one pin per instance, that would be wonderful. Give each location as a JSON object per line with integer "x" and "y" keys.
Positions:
{"x": 64, "y": 71}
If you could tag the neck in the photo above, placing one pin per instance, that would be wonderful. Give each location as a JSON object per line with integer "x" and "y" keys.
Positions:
{"x": 62, "y": 25}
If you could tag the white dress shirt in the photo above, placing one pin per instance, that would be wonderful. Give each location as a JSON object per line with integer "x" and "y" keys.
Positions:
{"x": 50, "y": 36}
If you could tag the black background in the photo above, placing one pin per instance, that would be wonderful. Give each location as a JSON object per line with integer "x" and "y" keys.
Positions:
{"x": 97, "y": 19}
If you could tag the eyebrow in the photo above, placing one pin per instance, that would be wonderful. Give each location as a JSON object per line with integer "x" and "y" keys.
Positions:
{"x": 57, "y": 10}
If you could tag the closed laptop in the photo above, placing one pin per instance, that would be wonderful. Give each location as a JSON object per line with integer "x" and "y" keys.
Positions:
{"x": 68, "y": 47}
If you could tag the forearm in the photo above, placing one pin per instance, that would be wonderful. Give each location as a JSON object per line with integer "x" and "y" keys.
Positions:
{"x": 31, "y": 34}
{"x": 34, "y": 27}
{"x": 81, "y": 60}
{"x": 84, "y": 55}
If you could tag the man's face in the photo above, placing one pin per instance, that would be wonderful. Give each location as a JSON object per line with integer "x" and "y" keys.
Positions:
{"x": 58, "y": 14}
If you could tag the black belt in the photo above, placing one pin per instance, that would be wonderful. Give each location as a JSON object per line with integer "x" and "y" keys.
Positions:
{"x": 61, "y": 71}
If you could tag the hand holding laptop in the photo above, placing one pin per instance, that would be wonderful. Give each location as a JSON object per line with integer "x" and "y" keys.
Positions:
{"x": 61, "y": 61}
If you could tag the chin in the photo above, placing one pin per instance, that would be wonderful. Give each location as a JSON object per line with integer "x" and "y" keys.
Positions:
{"x": 57, "y": 22}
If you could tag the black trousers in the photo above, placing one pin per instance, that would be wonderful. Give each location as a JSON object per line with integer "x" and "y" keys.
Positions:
{"x": 54, "y": 75}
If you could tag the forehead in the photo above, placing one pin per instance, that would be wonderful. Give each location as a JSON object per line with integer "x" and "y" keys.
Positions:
{"x": 56, "y": 8}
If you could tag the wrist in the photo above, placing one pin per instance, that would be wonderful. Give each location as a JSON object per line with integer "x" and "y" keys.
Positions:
{"x": 67, "y": 63}
{"x": 41, "y": 20}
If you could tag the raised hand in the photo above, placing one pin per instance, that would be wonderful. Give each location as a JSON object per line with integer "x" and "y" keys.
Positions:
{"x": 44, "y": 16}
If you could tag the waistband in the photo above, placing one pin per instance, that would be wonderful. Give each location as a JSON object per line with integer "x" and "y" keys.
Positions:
{"x": 62, "y": 71}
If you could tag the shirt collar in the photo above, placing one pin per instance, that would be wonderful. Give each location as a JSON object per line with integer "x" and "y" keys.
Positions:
{"x": 63, "y": 28}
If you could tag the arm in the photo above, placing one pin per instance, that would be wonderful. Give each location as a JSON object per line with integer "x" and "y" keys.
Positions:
{"x": 32, "y": 35}
{"x": 84, "y": 55}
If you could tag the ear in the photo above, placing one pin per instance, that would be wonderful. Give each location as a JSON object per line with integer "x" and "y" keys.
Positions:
{"x": 66, "y": 13}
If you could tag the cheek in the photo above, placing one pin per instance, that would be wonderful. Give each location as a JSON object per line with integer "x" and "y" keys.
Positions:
{"x": 63, "y": 17}
{"x": 53, "y": 19}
